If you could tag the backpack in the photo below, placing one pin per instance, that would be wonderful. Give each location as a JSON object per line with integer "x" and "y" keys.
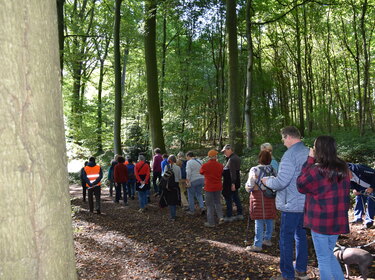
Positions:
{"x": 364, "y": 173}
{"x": 266, "y": 171}
{"x": 167, "y": 180}
{"x": 131, "y": 175}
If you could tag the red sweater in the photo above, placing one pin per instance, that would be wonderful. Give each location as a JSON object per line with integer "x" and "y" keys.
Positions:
{"x": 142, "y": 169}
{"x": 121, "y": 173}
{"x": 212, "y": 171}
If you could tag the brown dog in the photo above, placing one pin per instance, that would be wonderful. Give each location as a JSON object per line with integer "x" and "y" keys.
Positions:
{"x": 357, "y": 256}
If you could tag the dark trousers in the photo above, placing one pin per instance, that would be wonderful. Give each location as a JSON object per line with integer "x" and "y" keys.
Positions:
{"x": 119, "y": 187}
{"x": 84, "y": 188}
{"x": 155, "y": 176}
{"x": 229, "y": 199}
{"x": 91, "y": 192}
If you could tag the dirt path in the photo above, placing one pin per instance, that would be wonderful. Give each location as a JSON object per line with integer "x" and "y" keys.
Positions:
{"x": 122, "y": 243}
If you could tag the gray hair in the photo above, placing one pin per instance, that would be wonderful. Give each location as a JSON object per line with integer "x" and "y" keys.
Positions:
{"x": 181, "y": 154}
{"x": 141, "y": 157}
{"x": 266, "y": 146}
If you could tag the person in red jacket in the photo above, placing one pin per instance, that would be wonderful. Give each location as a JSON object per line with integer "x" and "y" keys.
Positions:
{"x": 121, "y": 178}
{"x": 262, "y": 208}
{"x": 142, "y": 175}
{"x": 212, "y": 172}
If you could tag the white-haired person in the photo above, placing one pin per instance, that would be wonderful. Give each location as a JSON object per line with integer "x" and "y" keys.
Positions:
{"x": 268, "y": 147}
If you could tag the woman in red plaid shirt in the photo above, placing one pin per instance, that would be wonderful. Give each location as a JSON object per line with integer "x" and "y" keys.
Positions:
{"x": 325, "y": 181}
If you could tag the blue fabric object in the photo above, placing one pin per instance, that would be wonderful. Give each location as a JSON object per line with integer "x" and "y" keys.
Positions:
{"x": 163, "y": 164}
{"x": 360, "y": 208}
{"x": 183, "y": 169}
{"x": 142, "y": 196}
{"x": 260, "y": 233}
{"x": 329, "y": 267}
{"x": 172, "y": 211}
{"x": 292, "y": 235}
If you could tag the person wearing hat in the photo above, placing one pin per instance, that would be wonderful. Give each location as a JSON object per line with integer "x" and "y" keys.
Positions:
{"x": 362, "y": 182}
{"x": 231, "y": 183}
{"x": 212, "y": 172}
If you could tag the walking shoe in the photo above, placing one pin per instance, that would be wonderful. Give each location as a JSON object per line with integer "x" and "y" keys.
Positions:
{"x": 221, "y": 221}
{"x": 267, "y": 242}
{"x": 238, "y": 218}
{"x": 253, "y": 248}
{"x": 228, "y": 219}
{"x": 278, "y": 277}
{"x": 203, "y": 211}
{"x": 98, "y": 212}
{"x": 301, "y": 275}
{"x": 206, "y": 224}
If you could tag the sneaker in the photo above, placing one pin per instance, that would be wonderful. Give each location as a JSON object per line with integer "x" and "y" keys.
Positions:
{"x": 238, "y": 218}
{"x": 221, "y": 221}
{"x": 278, "y": 277}
{"x": 203, "y": 211}
{"x": 141, "y": 210}
{"x": 301, "y": 275}
{"x": 206, "y": 224}
{"x": 228, "y": 219}
{"x": 267, "y": 242}
{"x": 253, "y": 248}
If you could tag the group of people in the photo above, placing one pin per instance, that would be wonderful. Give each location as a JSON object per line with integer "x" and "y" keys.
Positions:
{"x": 310, "y": 188}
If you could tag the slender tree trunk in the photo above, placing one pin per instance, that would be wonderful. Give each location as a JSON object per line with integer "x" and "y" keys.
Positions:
{"x": 60, "y": 27}
{"x": 163, "y": 62}
{"x": 249, "y": 75}
{"x": 234, "y": 96}
{"x": 299, "y": 75}
{"x": 123, "y": 76}
{"x": 153, "y": 104}
{"x": 118, "y": 98}
{"x": 36, "y": 240}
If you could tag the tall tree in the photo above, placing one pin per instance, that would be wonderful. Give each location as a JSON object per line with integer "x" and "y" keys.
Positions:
{"x": 153, "y": 104}
{"x": 118, "y": 97}
{"x": 36, "y": 228}
{"x": 60, "y": 25}
{"x": 234, "y": 94}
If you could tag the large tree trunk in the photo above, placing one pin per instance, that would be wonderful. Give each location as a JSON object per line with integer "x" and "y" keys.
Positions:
{"x": 118, "y": 99}
{"x": 153, "y": 103}
{"x": 36, "y": 229}
{"x": 234, "y": 96}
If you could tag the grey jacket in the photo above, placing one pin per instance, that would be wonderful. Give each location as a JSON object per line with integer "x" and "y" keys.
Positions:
{"x": 288, "y": 199}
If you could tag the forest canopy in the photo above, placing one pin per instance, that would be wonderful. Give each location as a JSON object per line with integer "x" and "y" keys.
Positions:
{"x": 187, "y": 74}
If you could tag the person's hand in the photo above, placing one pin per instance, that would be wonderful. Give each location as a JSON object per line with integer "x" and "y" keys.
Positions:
{"x": 233, "y": 188}
{"x": 143, "y": 182}
{"x": 264, "y": 180}
{"x": 312, "y": 153}
{"x": 369, "y": 190}
{"x": 355, "y": 192}
{"x": 247, "y": 188}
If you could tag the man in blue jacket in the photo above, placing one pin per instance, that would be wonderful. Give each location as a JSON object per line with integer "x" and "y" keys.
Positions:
{"x": 291, "y": 204}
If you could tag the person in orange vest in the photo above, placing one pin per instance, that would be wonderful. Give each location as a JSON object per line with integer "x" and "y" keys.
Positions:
{"x": 93, "y": 175}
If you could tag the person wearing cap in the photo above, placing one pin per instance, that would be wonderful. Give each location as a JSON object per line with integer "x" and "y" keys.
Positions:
{"x": 212, "y": 172}
{"x": 231, "y": 183}
{"x": 362, "y": 182}
{"x": 291, "y": 203}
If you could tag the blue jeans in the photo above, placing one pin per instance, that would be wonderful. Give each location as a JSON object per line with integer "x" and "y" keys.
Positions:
{"x": 233, "y": 197}
{"x": 172, "y": 211}
{"x": 292, "y": 234}
{"x": 259, "y": 230}
{"x": 131, "y": 187}
{"x": 195, "y": 190}
{"x": 329, "y": 267}
{"x": 142, "y": 196}
{"x": 359, "y": 208}
{"x": 120, "y": 186}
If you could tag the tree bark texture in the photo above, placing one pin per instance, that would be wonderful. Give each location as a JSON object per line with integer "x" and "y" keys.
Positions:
{"x": 234, "y": 95}
{"x": 153, "y": 104}
{"x": 36, "y": 239}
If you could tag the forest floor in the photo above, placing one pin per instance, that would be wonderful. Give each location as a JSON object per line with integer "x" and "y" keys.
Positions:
{"x": 122, "y": 243}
